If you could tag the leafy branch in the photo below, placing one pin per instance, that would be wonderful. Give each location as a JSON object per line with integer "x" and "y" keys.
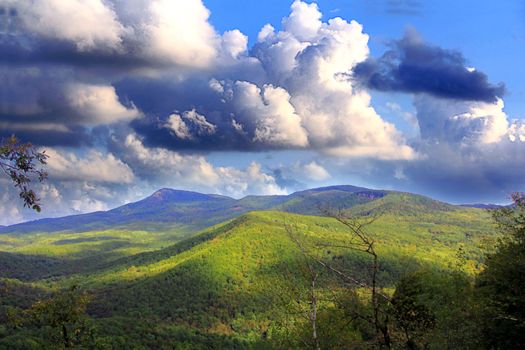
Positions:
{"x": 22, "y": 162}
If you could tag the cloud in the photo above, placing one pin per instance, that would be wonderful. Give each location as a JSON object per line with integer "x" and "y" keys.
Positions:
{"x": 273, "y": 119}
{"x": 87, "y": 24}
{"x": 461, "y": 121}
{"x": 189, "y": 125}
{"x": 98, "y": 104}
{"x": 295, "y": 96}
{"x": 164, "y": 62}
{"x": 144, "y": 89}
{"x": 316, "y": 172}
{"x": 470, "y": 150}
{"x": 179, "y": 31}
{"x": 411, "y": 65}
{"x": 304, "y": 22}
{"x": 172, "y": 169}
{"x": 94, "y": 167}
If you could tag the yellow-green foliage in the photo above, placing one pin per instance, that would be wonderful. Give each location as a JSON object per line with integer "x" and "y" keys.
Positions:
{"x": 239, "y": 278}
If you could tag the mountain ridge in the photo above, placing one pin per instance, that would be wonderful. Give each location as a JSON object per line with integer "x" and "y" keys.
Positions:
{"x": 190, "y": 211}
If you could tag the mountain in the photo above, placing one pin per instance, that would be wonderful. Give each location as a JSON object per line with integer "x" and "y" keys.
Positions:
{"x": 483, "y": 206}
{"x": 233, "y": 284}
{"x": 164, "y": 209}
{"x": 188, "y": 212}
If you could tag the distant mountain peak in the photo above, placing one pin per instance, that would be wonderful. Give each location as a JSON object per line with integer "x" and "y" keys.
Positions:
{"x": 169, "y": 194}
{"x": 169, "y": 208}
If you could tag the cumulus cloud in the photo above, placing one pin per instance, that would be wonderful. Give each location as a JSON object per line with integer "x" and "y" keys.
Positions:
{"x": 470, "y": 150}
{"x": 412, "y": 65}
{"x": 316, "y": 172}
{"x": 87, "y": 24}
{"x": 98, "y": 104}
{"x": 461, "y": 121}
{"x": 179, "y": 31}
{"x": 288, "y": 92}
{"x": 189, "y": 125}
{"x": 301, "y": 100}
{"x": 146, "y": 88}
{"x": 172, "y": 169}
{"x": 269, "y": 110}
{"x": 95, "y": 167}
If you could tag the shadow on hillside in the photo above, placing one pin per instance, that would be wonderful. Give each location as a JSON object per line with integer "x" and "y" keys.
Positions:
{"x": 28, "y": 267}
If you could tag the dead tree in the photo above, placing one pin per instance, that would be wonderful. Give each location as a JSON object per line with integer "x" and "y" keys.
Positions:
{"x": 313, "y": 275}
{"x": 362, "y": 242}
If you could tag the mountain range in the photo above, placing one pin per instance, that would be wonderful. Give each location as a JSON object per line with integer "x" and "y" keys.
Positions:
{"x": 191, "y": 211}
{"x": 207, "y": 271}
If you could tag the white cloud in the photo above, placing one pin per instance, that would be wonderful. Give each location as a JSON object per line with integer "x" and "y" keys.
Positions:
{"x": 239, "y": 183}
{"x": 316, "y": 172}
{"x": 179, "y": 31}
{"x": 95, "y": 166}
{"x": 311, "y": 61}
{"x": 234, "y": 43}
{"x": 190, "y": 125}
{"x": 304, "y": 22}
{"x": 171, "y": 169}
{"x": 98, "y": 104}
{"x": 87, "y": 23}
{"x": 461, "y": 121}
{"x": 269, "y": 109}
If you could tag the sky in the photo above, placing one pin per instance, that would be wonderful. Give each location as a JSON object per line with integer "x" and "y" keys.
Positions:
{"x": 263, "y": 97}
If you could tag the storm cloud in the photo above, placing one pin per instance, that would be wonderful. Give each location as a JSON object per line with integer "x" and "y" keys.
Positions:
{"x": 414, "y": 66}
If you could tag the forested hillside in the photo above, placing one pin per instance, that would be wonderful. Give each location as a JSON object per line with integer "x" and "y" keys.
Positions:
{"x": 247, "y": 282}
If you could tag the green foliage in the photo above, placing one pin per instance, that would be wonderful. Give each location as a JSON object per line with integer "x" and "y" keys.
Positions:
{"x": 239, "y": 284}
{"x": 59, "y": 320}
{"x": 501, "y": 285}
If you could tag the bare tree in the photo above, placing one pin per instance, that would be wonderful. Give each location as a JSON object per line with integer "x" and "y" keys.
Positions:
{"x": 362, "y": 242}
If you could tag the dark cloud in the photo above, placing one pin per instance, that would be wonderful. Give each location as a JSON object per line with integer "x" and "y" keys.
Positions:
{"x": 23, "y": 51}
{"x": 412, "y": 65}
{"x": 234, "y": 126}
{"x": 73, "y": 137}
{"x": 473, "y": 173}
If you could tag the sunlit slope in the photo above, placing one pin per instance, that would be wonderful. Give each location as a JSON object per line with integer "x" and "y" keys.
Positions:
{"x": 233, "y": 275}
{"x": 404, "y": 218}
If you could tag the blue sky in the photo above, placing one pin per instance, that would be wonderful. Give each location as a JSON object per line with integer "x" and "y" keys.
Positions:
{"x": 131, "y": 96}
{"x": 491, "y": 34}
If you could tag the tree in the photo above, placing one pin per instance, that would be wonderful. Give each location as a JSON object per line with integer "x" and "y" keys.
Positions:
{"x": 361, "y": 242}
{"x": 412, "y": 316}
{"x": 313, "y": 274}
{"x": 501, "y": 286}
{"x": 61, "y": 318}
{"x": 21, "y": 162}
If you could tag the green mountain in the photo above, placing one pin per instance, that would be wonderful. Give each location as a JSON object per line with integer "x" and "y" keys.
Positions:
{"x": 169, "y": 209}
{"x": 235, "y": 283}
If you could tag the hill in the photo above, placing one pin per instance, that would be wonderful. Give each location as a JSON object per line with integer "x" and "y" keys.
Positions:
{"x": 236, "y": 283}
{"x": 233, "y": 283}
